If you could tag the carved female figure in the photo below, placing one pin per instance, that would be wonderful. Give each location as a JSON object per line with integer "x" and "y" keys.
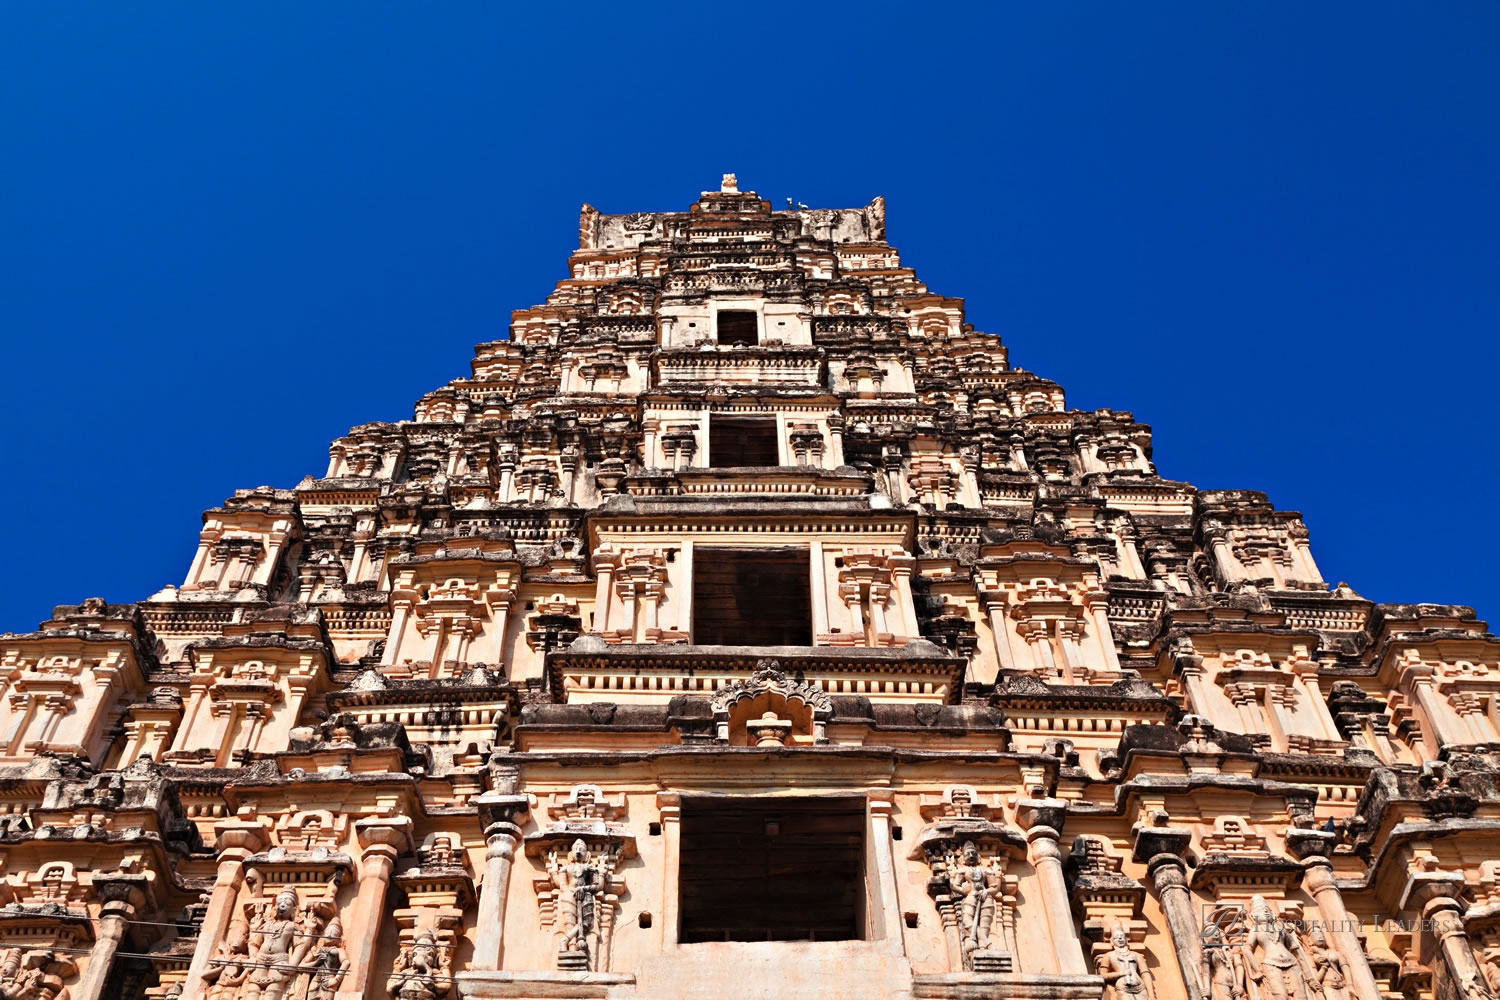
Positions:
{"x": 1122, "y": 970}
{"x": 1223, "y": 972}
{"x": 976, "y": 885}
{"x": 1273, "y": 955}
{"x": 330, "y": 963}
{"x": 231, "y": 965}
{"x": 1327, "y": 964}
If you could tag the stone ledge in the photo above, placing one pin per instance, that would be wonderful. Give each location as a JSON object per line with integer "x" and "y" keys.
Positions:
{"x": 539, "y": 985}
{"x": 1020, "y": 986}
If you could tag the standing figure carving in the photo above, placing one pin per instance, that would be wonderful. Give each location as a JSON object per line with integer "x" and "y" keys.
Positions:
{"x": 977, "y": 886}
{"x": 1328, "y": 971}
{"x": 580, "y": 883}
{"x": 330, "y": 963}
{"x": 1492, "y": 968}
{"x": 277, "y": 945}
{"x": 28, "y": 976}
{"x": 1223, "y": 967}
{"x": 1273, "y": 955}
{"x": 1122, "y": 970}
{"x": 418, "y": 971}
{"x": 230, "y": 966}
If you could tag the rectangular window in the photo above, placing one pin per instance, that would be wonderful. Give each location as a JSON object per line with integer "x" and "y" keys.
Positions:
{"x": 736, "y": 327}
{"x": 737, "y": 442}
{"x": 785, "y": 869}
{"x": 751, "y": 597}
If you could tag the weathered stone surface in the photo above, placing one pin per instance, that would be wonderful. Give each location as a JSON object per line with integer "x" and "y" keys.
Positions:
{"x": 745, "y": 592}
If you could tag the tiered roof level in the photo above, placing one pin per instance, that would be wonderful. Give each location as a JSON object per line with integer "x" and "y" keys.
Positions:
{"x": 745, "y": 624}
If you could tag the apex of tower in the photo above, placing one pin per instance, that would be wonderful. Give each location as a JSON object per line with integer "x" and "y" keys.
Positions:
{"x": 730, "y": 184}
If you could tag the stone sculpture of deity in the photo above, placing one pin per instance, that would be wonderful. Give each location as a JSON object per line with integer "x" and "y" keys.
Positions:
{"x": 977, "y": 888}
{"x": 1273, "y": 955}
{"x": 580, "y": 882}
{"x": 329, "y": 963}
{"x": 230, "y": 966}
{"x": 1329, "y": 974}
{"x": 27, "y": 976}
{"x": 420, "y": 973}
{"x": 1123, "y": 971}
{"x": 278, "y": 944}
{"x": 1223, "y": 966}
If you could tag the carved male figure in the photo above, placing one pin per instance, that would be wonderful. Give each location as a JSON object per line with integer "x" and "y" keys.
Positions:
{"x": 579, "y": 884}
{"x": 1122, "y": 970}
{"x": 977, "y": 886}
{"x": 277, "y": 944}
{"x": 1273, "y": 955}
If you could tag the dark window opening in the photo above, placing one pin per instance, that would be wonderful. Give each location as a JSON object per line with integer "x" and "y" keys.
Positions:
{"x": 735, "y": 442}
{"x": 736, "y": 327}
{"x": 772, "y": 870}
{"x": 751, "y": 597}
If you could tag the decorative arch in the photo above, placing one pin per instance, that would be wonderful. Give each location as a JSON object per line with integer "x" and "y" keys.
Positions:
{"x": 769, "y": 688}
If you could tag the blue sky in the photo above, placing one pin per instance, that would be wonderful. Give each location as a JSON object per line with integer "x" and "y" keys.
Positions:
{"x": 232, "y": 231}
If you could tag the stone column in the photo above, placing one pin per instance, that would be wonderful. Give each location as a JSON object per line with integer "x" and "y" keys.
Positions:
{"x": 881, "y": 802}
{"x": 501, "y": 814}
{"x": 200, "y": 558}
{"x": 1097, "y": 605}
{"x": 1042, "y": 820}
{"x": 902, "y": 566}
{"x": 649, "y": 428}
{"x": 382, "y": 839}
{"x": 995, "y": 607}
{"x": 605, "y": 559}
{"x": 818, "y": 586}
{"x": 401, "y": 607}
{"x": 237, "y": 840}
{"x": 1229, "y": 566}
{"x": 1418, "y": 681}
{"x": 670, "y": 806}
{"x": 1305, "y": 670}
{"x": 1438, "y": 894}
{"x": 1319, "y": 881}
{"x": 1445, "y": 917}
{"x": 122, "y": 898}
{"x": 682, "y": 588}
{"x": 835, "y": 441}
{"x": 1163, "y": 849}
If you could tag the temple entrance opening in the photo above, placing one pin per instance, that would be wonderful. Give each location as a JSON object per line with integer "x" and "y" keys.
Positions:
{"x": 783, "y": 869}
{"x": 751, "y": 597}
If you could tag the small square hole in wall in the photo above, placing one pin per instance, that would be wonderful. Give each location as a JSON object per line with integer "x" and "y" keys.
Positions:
{"x": 911, "y": 919}
{"x": 895, "y": 833}
{"x": 645, "y": 919}
{"x": 654, "y": 829}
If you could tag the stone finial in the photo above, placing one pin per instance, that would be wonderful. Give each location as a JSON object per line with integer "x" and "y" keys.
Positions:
{"x": 730, "y": 184}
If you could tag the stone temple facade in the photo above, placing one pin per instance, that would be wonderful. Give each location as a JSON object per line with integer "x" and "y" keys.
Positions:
{"x": 745, "y": 626}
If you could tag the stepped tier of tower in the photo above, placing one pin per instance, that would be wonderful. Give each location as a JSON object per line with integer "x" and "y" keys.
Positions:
{"x": 745, "y": 624}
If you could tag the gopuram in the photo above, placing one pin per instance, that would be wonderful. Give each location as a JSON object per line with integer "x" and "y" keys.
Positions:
{"x": 745, "y": 626}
